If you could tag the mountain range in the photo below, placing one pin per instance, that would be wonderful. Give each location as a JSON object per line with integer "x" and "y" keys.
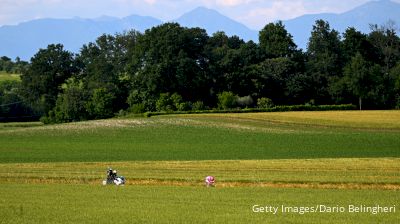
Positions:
{"x": 25, "y": 39}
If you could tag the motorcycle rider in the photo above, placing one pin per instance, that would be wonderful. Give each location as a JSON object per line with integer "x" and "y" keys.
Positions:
{"x": 111, "y": 174}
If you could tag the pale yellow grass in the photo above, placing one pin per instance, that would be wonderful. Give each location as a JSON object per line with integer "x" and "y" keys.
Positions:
{"x": 389, "y": 119}
{"x": 383, "y": 173}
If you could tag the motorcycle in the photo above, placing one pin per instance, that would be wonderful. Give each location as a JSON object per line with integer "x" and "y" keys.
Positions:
{"x": 112, "y": 178}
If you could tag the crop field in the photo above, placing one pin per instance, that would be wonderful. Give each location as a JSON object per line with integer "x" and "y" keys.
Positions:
{"x": 53, "y": 173}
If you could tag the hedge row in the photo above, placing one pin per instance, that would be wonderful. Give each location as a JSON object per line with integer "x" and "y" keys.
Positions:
{"x": 255, "y": 110}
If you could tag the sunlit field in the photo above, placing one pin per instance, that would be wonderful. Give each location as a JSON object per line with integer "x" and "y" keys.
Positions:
{"x": 6, "y": 76}
{"x": 53, "y": 173}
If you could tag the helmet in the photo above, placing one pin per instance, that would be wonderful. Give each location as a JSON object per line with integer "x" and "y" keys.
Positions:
{"x": 114, "y": 171}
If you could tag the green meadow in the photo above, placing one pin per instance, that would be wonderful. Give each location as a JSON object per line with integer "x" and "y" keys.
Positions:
{"x": 80, "y": 203}
{"x": 9, "y": 76}
{"x": 53, "y": 173}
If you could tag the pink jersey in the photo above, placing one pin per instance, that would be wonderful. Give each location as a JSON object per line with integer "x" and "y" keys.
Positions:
{"x": 210, "y": 180}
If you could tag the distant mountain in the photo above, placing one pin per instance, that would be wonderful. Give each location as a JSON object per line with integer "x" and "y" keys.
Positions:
{"x": 374, "y": 12}
{"x": 213, "y": 21}
{"x": 25, "y": 39}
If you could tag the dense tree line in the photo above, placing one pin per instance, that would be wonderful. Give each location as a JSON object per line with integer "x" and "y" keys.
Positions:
{"x": 170, "y": 67}
{"x": 12, "y": 67}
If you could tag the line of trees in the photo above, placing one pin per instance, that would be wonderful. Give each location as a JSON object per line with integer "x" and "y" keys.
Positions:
{"x": 12, "y": 67}
{"x": 170, "y": 67}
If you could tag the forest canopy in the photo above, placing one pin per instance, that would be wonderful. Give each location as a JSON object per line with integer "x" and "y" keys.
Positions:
{"x": 174, "y": 68}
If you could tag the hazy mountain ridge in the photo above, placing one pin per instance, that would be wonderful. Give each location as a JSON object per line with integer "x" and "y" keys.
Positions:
{"x": 374, "y": 12}
{"x": 25, "y": 39}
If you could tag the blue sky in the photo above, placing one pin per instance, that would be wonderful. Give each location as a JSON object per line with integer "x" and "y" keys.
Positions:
{"x": 253, "y": 13}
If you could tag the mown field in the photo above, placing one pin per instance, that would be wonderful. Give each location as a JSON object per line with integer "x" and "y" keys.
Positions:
{"x": 52, "y": 174}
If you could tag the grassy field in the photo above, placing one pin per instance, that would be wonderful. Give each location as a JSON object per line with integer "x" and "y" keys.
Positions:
{"x": 52, "y": 174}
{"x": 314, "y": 173}
{"x": 56, "y": 203}
{"x": 7, "y": 76}
{"x": 202, "y": 137}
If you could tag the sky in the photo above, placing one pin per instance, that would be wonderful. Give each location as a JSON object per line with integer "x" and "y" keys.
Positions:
{"x": 252, "y": 13}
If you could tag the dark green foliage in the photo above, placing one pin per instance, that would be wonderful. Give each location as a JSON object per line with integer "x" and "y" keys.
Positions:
{"x": 165, "y": 103}
{"x": 71, "y": 106}
{"x": 255, "y": 110}
{"x": 17, "y": 67}
{"x": 198, "y": 105}
{"x": 137, "y": 108}
{"x": 325, "y": 60}
{"x": 49, "y": 69}
{"x": 135, "y": 72}
{"x": 169, "y": 58}
{"x": 362, "y": 78}
{"x": 12, "y": 106}
{"x": 275, "y": 41}
{"x": 100, "y": 105}
{"x": 271, "y": 77}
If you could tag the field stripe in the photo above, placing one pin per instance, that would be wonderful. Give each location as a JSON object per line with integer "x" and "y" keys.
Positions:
{"x": 223, "y": 184}
{"x": 376, "y": 173}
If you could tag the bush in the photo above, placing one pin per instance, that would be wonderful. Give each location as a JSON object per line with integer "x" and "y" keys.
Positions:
{"x": 227, "y": 100}
{"x": 137, "y": 108}
{"x": 101, "y": 104}
{"x": 185, "y": 106}
{"x": 255, "y": 110}
{"x": 174, "y": 102}
{"x": 264, "y": 103}
{"x": 245, "y": 101}
{"x": 199, "y": 105}
{"x": 136, "y": 97}
{"x": 165, "y": 103}
{"x": 70, "y": 106}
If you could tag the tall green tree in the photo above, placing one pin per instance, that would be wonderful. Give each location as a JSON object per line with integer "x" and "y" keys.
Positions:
{"x": 362, "y": 78}
{"x": 169, "y": 58}
{"x": 41, "y": 82}
{"x": 270, "y": 79}
{"x": 325, "y": 60}
{"x": 387, "y": 44}
{"x": 275, "y": 41}
{"x": 356, "y": 42}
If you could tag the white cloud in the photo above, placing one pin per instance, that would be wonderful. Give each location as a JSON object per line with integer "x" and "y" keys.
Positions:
{"x": 278, "y": 10}
{"x": 234, "y": 2}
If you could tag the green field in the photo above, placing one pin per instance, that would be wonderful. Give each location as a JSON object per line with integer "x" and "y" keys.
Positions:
{"x": 52, "y": 174}
{"x": 7, "y": 76}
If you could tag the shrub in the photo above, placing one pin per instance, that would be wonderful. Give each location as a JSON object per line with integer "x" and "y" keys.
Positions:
{"x": 264, "y": 103}
{"x": 245, "y": 101}
{"x": 137, "y": 108}
{"x": 101, "y": 104}
{"x": 185, "y": 106}
{"x": 164, "y": 103}
{"x": 227, "y": 100}
{"x": 137, "y": 97}
{"x": 199, "y": 105}
{"x": 176, "y": 101}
